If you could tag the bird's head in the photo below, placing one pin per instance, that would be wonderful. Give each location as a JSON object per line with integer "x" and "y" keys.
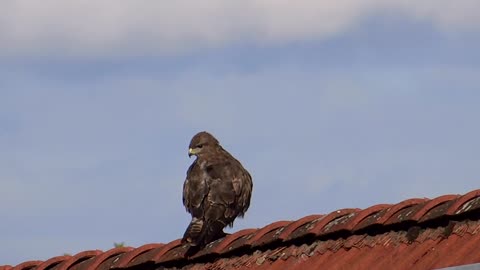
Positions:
{"x": 201, "y": 142}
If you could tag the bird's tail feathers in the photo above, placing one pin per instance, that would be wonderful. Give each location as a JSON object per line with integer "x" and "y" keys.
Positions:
{"x": 193, "y": 231}
{"x": 200, "y": 232}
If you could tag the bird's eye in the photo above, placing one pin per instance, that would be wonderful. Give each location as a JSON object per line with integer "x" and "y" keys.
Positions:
{"x": 199, "y": 145}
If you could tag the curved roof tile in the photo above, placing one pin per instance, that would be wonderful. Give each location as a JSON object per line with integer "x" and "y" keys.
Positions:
{"x": 52, "y": 262}
{"x": 239, "y": 238}
{"x": 399, "y": 207}
{"x": 101, "y": 258}
{"x": 82, "y": 256}
{"x": 263, "y": 231}
{"x": 130, "y": 256}
{"x": 364, "y": 214}
{"x": 465, "y": 203}
{"x": 27, "y": 265}
{"x": 432, "y": 204}
{"x": 293, "y": 226}
{"x": 328, "y": 223}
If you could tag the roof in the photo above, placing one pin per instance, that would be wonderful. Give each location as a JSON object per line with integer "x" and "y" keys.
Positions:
{"x": 413, "y": 234}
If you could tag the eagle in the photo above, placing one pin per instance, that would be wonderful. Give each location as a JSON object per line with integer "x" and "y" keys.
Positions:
{"x": 217, "y": 189}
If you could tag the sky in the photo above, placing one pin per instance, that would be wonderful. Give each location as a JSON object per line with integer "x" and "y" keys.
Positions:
{"x": 329, "y": 105}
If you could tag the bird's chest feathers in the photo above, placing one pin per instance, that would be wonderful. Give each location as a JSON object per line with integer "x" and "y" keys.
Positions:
{"x": 218, "y": 170}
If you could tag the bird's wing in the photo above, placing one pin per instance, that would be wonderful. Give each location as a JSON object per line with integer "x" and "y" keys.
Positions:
{"x": 233, "y": 188}
{"x": 209, "y": 198}
{"x": 242, "y": 185}
{"x": 195, "y": 189}
{"x": 219, "y": 176}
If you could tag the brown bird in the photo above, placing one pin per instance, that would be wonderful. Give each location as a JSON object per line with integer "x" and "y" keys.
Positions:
{"x": 217, "y": 190}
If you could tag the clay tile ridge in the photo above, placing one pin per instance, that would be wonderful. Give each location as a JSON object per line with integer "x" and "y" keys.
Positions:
{"x": 281, "y": 233}
{"x": 126, "y": 259}
{"x": 27, "y": 265}
{"x": 97, "y": 260}
{"x": 52, "y": 262}
{"x": 78, "y": 258}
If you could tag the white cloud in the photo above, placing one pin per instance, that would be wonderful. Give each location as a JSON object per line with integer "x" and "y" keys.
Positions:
{"x": 445, "y": 14}
{"x": 86, "y": 27}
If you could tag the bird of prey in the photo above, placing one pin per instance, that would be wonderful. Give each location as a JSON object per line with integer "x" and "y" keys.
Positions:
{"x": 217, "y": 189}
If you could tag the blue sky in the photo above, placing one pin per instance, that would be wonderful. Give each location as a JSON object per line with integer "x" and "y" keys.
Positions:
{"x": 327, "y": 105}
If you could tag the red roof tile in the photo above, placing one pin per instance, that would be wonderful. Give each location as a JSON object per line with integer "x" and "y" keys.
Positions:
{"x": 413, "y": 234}
{"x": 52, "y": 262}
{"x": 27, "y": 265}
{"x": 127, "y": 259}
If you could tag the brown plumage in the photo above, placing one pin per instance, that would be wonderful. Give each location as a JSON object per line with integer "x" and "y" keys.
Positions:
{"x": 217, "y": 190}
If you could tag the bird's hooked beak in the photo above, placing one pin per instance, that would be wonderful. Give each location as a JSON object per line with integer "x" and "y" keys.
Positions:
{"x": 191, "y": 152}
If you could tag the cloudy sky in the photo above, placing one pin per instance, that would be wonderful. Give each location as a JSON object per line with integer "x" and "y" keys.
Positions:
{"x": 328, "y": 105}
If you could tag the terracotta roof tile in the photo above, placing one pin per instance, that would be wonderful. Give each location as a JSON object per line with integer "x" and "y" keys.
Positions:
{"x": 106, "y": 259}
{"x": 127, "y": 259}
{"x": 398, "y": 207}
{"x": 428, "y": 206}
{"x": 337, "y": 221}
{"x": 164, "y": 249}
{"x": 470, "y": 205}
{"x": 174, "y": 253}
{"x": 413, "y": 234}
{"x": 27, "y": 265}
{"x": 70, "y": 262}
{"x": 269, "y": 234}
{"x": 263, "y": 231}
{"x": 146, "y": 256}
{"x": 235, "y": 241}
{"x": 48, "y": 264}
{"x": 364, "y": 214}
{"x": 303, "y": 224}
